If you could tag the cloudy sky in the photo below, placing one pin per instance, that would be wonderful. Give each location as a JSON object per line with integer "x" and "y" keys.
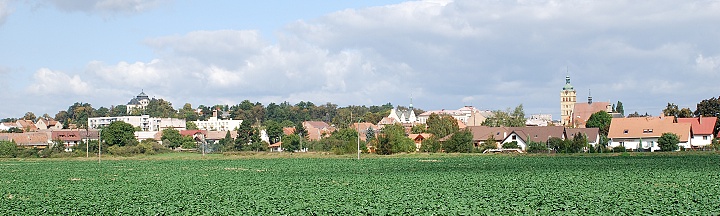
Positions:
{"x": 445, "y": 54}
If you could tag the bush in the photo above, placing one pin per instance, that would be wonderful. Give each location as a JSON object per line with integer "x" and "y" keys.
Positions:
{"x": 510, "y": 145}
{"x": 123, "y": 150}
{"x": 536, "y": 147}
{"x": 8, "y": 149}
{"x": 619, "y": 149}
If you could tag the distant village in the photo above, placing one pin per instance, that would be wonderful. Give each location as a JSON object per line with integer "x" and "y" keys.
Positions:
{"x": 632, "y": 133}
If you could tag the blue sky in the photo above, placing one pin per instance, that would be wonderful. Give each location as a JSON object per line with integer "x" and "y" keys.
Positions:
{"x": 446, "y": 54}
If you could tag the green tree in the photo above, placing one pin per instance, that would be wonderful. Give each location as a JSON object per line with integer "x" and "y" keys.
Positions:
{"x": 188, "y": 113}
{"x": 507, "y": 118}
{"x": 442, "y": 126}
{"x": 274, "y": 130}
{"x": 29, "y": 116}
{"x": 510, "y": 145}
{"x": 101, "y": 112}
{"x": 245, "y": 132}
{"x": 460, "y": 141}
{"x": 668, "y": 142}
{"x": 685, "y": 113}
{"x": 160, "y": 108}
{"x": 171, "y": 138}
{"x": 600, "y": 120}
{"x": 579, "y": 142}
{"x": 418, "y": 128}
{"x": 8, "y": 149}
{"x": 536, "y": 147}
{"x": 191, "y": 125}
{"x": 393, "y": 139}
{"x": 119, "y": 133}
{"x": 620, "y": 109}
{"x": 119, "y": 110}
{"x": 291, "y": 143}
{"x": 301, "y": 131}
{"x": 431, "y": 144}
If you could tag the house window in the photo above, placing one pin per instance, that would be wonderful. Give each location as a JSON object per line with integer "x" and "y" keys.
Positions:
{"x": 705, "y": 137}
{"x": 514, "y": 137}
{"x": 647, "y": 130}
{"x": 625, "y": 132}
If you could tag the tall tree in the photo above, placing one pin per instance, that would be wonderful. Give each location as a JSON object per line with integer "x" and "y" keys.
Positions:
{"x": 29, "y": 116}
{"x": 245, "y": 132}
{"x": 119, "y": 110}
{"x": 441, "y": 126}
{"x": 274, "y": 131}
{"x": 600, "y": 120}
{"x": 619, "y": 108}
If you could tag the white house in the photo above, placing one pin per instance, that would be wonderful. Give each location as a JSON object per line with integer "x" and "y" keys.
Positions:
{"x": 637, "y": 133}
{"x": 523, "y": 135}
{"x": 702, "y": 130}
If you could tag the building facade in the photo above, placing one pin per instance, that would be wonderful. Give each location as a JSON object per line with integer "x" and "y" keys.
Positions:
{"x": 144, "y": 122}
{"x": 568, "y": 98}
{"x": 139, "y": 102}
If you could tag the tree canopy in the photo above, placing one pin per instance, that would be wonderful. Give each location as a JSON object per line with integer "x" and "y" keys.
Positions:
{"x": 600, "y": 120}
{"x": 668, "y": 142}
{"x": 119, "y": 133}
{"x": 506, "y": 118}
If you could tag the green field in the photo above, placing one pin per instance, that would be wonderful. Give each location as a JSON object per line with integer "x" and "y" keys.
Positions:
{"x": 406, "y": 185}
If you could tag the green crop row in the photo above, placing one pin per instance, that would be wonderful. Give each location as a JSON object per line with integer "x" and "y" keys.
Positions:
{"x": 666, "y": 185}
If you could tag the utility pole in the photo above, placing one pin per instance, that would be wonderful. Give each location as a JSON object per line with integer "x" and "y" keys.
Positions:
{"x": 99, "y": 144}
{"x": 358, "y": 139}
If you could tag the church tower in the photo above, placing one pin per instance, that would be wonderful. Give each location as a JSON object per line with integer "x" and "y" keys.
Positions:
{"x": 567, "y": 102}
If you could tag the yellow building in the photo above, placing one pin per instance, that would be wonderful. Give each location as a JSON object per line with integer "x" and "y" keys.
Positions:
{"x": 568, "y": 98}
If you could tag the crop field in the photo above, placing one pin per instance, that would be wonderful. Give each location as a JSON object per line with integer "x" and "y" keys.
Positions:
{"x": 418, "y": 185}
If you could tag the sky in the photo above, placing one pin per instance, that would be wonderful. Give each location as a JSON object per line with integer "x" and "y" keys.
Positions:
{"x": 443, "y": 54}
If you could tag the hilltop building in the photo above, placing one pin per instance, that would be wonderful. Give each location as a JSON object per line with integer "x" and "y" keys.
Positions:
{"x": 139, "y": 102}
{"x": 216, "y": 124}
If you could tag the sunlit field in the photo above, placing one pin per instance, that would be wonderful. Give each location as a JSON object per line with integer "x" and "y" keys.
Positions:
{"x": 682, "y": 184}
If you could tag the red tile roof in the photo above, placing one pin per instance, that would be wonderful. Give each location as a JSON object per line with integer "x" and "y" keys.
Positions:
{"x": 583, "y": 111}
{"x": 700, "y": 125}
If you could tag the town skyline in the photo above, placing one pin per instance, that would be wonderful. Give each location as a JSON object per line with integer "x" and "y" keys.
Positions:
{"x": 443, "y": 54}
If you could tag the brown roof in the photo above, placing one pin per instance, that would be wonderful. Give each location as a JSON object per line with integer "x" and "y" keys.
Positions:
{"x": 288, "y": 130}
{"x": 539, "y": 134}
{"x": 27, "y": 124}
{"x": 484, "y": 132}
{"x": 590, "y": 133}
{"x": 66, "y": 135}
{"x": 419, "y": 137}
{"x": 648, "y": 127}
{"x": 700, "y": 125}
{"x": 364, "y": 128}
{"x": 29, "y": 138}
{"x": 387, "y": 121}
{"x": 583, "y": 111}
{"x": 192, "y": 132}
{"x": 217, "y": 135}
{"x": 315, "y": 124}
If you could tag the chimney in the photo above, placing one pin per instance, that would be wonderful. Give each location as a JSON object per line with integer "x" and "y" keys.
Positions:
{"x": 215, "y": 113}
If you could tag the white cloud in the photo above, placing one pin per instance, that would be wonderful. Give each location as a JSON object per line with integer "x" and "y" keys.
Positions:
{"x": 107, "y": 6}
{"x": 5, "y": 10}
{"x": 135, "y": 75}
{"x": 48, "y": 82}
{"x": 707, "y": 65}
